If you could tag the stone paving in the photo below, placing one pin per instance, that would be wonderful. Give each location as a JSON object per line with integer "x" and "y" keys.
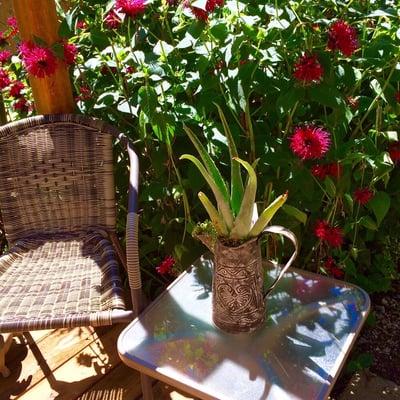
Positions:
{"x": 367, "y": 386}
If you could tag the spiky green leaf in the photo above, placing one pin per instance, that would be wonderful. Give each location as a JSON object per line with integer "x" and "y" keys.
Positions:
{"x": 223, "y": 204}
{"x": 237, "y": 188}
{"x": 267, "y": 215}
{"x": 242, "y": 224}
{"x": 209, "y": 164}
{"x": 215, "y": 217}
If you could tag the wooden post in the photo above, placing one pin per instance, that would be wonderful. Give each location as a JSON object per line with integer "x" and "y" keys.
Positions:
{"x": 52, "y": 94}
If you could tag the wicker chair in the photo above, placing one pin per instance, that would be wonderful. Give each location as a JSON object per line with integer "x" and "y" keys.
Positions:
{"x": 58, "y": 208}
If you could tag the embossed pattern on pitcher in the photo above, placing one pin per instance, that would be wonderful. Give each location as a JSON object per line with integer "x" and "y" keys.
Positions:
{"x": 238, "y": 301}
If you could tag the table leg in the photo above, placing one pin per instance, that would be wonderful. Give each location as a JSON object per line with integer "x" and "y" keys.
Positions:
{"x": 5, "y": 344}
{"x": 147, "y": 387}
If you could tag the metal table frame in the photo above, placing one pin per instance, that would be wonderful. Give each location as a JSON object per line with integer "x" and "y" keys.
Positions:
{"x": 311, "y": 325}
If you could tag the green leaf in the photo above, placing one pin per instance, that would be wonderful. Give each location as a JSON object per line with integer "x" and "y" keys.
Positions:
{"x": 326, "y": 95}
{"x": 368, "y": 223}
{"x": 99, "y": 38}
{"x": 219, "y": 31}
{"x": 287, "y": 100}
{"x": 377, "y": 88}
{"x": 242, "y": 224}
{"x": 348, "y": 201}
{"x": 330, "y": 186}
{"x": 380, "y": 205}
{"x": 236, "y": 177}
{"x": 162, "y": 48}
{"x": 64, "y": 30}
{"x": 295, "y": 212}
{"x": 223, "y": 204}
{"x": 267, "y": 215}
{"x": 147, "y": 98}
{"x": 209, "y": 163}
{"x": 39, "y": 41}
{"x": 58, "y": 50}
{"x": 362, "y": 361}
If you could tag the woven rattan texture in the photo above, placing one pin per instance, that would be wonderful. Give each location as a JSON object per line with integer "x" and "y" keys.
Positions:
{"x": 55, "y": 176}
{"x": 62, "y": 275}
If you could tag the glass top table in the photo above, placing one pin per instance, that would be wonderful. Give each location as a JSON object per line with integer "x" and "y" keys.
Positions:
{"x": 311, "y": 324}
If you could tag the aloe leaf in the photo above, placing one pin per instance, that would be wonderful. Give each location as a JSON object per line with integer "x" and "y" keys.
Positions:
{"x": 215, "y": 217}
{"x": 242, "y": 224}
{"x": 237, "y": 188}
{"x": 223, "y": 204}
{"x": 209, "y": 163}
{"x": 267, "y": 215}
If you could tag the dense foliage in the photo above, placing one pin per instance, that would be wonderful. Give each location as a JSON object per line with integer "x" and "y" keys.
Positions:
{"x": 310, "y": 88}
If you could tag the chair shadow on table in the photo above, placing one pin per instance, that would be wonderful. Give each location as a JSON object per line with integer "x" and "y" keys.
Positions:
{"x": 308, "y": 321}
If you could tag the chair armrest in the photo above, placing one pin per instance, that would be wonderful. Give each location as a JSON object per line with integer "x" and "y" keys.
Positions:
{"x": 132, "y": 231}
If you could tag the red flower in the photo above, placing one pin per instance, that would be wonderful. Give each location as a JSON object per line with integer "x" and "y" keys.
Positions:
{"x": 132, "y": 8}
{"x": 201, "y": 14}
{"x": 332, "y": 268}
{"x": 394, "y": 151}
{"x": 321, "y": 228}
{"x": 309, "y": 142}
{"x": 353, "y": 102}
{"x": 397, "y": 96}
{"x": 15, "y": 89}
{"x": 165, "y": 266}
{"x": 70, "y": 53}
{"x": 80, "y": 24}
{"x": 85, "y": 93}
{"x": 5, "y": 56}
{"x": 4, "y": 79}
{"x": 112, "y": 20}
{"x": 38, "y": 61}
{"x": 106, "y": 70}
{"x": 21, "y": 105}
{"x": 363, "y": 195}
{"x": 330, "y": 234}
{"x": 342, "y": 37}
{"x": 334, "y": 170}
{"x": 334, "y": 237}
{"x": 319, "y": 171}
{"x": 12, "y": 22}
{"x": 308, "y": 69}
{"x": 130, "y": 69}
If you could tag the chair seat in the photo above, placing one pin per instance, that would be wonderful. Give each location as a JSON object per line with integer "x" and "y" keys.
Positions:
{"x": 59, "y": 280}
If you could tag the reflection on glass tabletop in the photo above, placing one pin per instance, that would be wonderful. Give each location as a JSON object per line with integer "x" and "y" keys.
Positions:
{"x": 311, "y": 323}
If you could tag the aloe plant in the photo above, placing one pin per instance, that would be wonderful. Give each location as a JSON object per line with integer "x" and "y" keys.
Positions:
{"x": 233, "y": 215}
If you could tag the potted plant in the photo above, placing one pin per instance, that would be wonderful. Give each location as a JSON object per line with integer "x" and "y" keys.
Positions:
{"x": 233, "y": 234}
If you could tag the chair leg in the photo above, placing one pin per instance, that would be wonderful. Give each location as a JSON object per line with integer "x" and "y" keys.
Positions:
{"x": 5, "y": 344}
{"x": 147, "y": 388}
{"x": 41, "y": 361}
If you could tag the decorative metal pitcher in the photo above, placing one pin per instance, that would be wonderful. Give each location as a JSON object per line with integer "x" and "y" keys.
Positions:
{"x": 238, "y": 283}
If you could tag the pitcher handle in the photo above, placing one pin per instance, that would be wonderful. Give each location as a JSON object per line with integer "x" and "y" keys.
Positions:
{"x": 280, "y": 230}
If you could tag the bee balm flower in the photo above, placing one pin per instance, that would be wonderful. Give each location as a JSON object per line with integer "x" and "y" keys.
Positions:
{"x": 310, "y": 142}
{"x": 363, "y": 195}
{"x": 165, "y": 266}
{"x": 342, "y": 37}
{"x": 38, "y": 61}
{"x": 308, "y": 70}
{"x": 131, "y": 8}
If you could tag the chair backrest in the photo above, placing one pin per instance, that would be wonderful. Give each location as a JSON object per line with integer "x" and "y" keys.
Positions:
{"x": 56, "y": 174}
